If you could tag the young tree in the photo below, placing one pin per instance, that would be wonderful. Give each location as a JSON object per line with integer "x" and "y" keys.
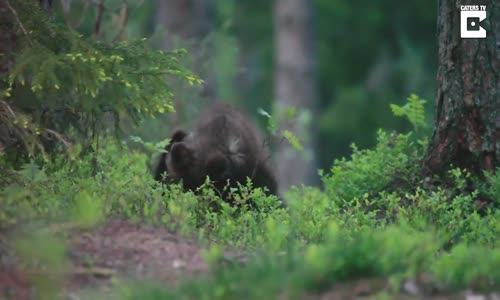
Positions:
{"x": 56, "y": 85}
{"x": 466, "y": 132}
{"x": 295, "y": 86}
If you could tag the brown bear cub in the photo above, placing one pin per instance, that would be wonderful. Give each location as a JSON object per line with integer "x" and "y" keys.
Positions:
{"x": 222, "y": 145}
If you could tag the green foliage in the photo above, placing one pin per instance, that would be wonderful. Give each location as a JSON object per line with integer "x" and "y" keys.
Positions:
{"x": 76, "y": 190}
{"x": 87, "y": 210}
{"x": 493, "y": 185}
{"x": 272, "y": 126}
{"x": 151, "y": 147}
{"x": 371, "y": 170}
{"x": 42, "y": 248}
{"x": 413, "y": 110}
{"x": 117, "y": 187}
{"x": 293, "y": 140}
{"x": 469, "y": 266}
{"x": 62, "y": 82}
{"x": 393, "y": 252}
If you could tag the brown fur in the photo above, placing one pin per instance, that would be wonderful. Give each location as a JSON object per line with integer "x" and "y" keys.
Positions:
{"x": 222, "y": 145}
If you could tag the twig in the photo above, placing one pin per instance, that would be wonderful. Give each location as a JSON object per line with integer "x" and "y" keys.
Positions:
{"x": 265, "y": 143}
{"x": 281, "y": 141}
{"x": 14, "y": 12}
{"x": 58, "y": 136}
{"x": 94, "y": 271}
{"x": 8, "y": 109}
{"x": 81, "y": 271}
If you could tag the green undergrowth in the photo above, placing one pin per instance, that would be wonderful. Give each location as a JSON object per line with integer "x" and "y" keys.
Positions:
{"x": 395, "y": 253}
{"x": 375, "y": 217}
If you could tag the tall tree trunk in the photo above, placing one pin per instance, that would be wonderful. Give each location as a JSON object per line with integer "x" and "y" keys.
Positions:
{"x": 466, "y": 132}
{"x": 295, "y": 85}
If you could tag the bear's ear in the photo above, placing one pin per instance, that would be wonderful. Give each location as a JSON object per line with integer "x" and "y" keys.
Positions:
{"x": 178, "y": 136}
{"x": 217, "y": 166}
{"x": 181, "y": 157}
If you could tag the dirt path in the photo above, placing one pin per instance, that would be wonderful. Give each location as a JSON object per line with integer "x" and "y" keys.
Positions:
{"x": 115, "y": 250}
{"x": 137, "y": 249}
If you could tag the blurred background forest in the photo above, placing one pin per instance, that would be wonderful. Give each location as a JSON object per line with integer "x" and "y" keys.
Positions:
{"x": 366, "y": 55}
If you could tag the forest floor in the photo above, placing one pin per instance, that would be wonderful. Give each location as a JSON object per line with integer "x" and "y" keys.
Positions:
{"x": 115, "y": 250}
{"x": 121, "y": 250}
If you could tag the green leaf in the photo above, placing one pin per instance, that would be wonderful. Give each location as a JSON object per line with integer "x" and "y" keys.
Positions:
{"x": 293, "y": 140}
{"x": 397, "y": 110}
{"x": 88, "y": 210}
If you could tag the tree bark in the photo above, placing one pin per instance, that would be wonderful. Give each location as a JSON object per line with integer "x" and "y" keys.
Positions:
{"x": 466, "y": 131}
{"x": 295, "y": 85}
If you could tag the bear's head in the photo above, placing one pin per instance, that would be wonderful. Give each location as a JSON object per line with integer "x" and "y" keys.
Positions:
{"x": 190, "y": 159}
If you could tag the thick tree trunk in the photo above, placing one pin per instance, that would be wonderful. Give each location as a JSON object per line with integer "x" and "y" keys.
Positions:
{"x": 466, "y": 132}
{"x": 295, "y": 85}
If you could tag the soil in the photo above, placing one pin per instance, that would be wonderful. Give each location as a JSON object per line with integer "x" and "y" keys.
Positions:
{"x": 115, "y": 250}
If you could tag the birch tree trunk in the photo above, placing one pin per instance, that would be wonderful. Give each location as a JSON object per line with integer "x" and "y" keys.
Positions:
{"x": 466, "y": 131}
{"x": 295, "y": 85}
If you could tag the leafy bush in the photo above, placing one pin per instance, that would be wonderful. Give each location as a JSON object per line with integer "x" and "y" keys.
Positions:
{"x": 370, "y": 170}
{"x": 51, "y": 191}
{"x": 413, "y": 110}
